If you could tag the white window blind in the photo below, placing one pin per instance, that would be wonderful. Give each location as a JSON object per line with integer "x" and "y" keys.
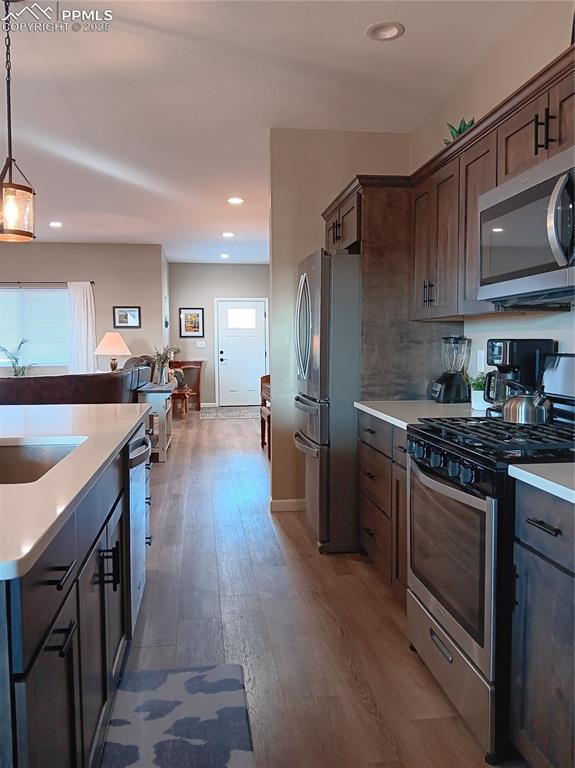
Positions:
{"x": 39, "y": 315}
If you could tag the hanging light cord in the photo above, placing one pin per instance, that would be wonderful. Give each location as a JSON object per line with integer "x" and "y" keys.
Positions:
{"x": 8, "y": 95}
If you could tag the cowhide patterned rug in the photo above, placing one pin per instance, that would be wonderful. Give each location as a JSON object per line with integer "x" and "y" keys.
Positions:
{"x": 180, "y": 719}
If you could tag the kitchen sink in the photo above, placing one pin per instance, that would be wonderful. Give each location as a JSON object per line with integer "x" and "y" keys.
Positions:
{"x": 25, "y": 461}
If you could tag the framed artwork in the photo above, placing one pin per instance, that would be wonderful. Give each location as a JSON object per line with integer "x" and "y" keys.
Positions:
{"x": 191, "y": 322}
{"x": 127, "y": 317}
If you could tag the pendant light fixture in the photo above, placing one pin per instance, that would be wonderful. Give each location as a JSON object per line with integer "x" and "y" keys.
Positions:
{"x": 17, "y": 212}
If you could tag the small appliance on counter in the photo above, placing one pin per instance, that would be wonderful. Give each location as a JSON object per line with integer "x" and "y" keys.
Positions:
{"x": 452, "y": 386}
{"x": 518, "y": 362}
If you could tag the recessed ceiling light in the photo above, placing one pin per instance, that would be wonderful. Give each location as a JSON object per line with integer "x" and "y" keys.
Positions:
{"x": 55, "y": 224}
{"x": 236, "y": 200}
{"x": 227, "y": 234}
{"x": 224, "y": 255}
{"x": 385, "y": 30}
{"x": 497, "y": 229}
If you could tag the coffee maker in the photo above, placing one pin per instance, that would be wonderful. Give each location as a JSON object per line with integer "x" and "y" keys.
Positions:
{"x": 452, "y": 386}
{"x": 516, "y": 360}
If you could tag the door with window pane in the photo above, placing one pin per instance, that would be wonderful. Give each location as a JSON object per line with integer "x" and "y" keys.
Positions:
{"x": 242, "y": 358}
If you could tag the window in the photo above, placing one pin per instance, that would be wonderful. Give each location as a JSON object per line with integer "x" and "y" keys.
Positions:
{"x": 243, "y": 318}
{"x": 39, "y": 315}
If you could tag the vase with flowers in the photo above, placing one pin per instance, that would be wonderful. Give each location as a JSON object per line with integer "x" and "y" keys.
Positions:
{"x": 162, "y": 359}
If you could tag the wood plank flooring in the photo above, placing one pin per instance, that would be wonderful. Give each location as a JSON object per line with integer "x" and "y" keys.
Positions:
{"x": 330, "y": 680}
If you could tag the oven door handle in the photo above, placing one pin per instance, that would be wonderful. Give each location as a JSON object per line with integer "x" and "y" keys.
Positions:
{"x": 446, "y": 490}
{"x": 552, "y": 231}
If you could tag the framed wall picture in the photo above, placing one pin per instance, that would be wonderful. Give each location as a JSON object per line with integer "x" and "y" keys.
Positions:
{"x": 191, "y": 322}
{"x": 127, "y": 317}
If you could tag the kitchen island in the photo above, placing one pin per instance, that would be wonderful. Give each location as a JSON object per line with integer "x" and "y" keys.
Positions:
{"x": 65, "y": 525}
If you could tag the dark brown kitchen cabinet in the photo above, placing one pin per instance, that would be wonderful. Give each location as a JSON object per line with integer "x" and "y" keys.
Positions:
{"x": 399, "y": 531}
{"x": 436, "y": 241}
{"x": 343, "y": 227}
{"x": 375, "y": 536}
{"x": 477, "y": 174}
{"x": 562, "y": 111}
{"x": 521, "y": 139}
{"x": 47, "y": 698}
{"x": 542, "y": 712}
{"x": 543, "y": 630}
{"x": 116, "y": 586}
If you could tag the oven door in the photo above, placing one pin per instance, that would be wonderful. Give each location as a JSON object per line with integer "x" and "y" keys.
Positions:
{"x": 451, "y": 551}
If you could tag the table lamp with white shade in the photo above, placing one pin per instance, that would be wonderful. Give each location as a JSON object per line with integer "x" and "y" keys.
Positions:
{"x": 114, "y": 345}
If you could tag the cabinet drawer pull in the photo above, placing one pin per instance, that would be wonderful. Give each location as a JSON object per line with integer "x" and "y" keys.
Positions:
{"x": 441, "y": 645}
{"x": 369, "y": 475}
{"x": 401, "y": 448}
{"x": 430, "y": 297}
{"x": 425, "y": 286}
{"x": 546, "y": 139}
{"x": 149, "y": 541}
{"x": 543, "y": 526}
{"x": 69, "y": 632}
{"x": 113, "y": 555}
{"x": 370, "y": 532}
{"x": 536, "y": 123}
{"x": 369, "y": 431}
{"x": 68, "y": 571}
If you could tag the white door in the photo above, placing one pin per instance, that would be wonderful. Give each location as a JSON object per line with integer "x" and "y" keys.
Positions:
{"x": 241, "y": 351}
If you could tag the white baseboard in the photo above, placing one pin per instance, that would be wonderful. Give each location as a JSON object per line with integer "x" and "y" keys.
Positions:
{"x": 209, "y": 405}
{"x": 287, "y": 505}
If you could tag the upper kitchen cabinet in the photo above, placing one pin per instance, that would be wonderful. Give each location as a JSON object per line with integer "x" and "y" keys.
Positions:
{"x": 342, "y": 225}
{"x": 522, "y": 139}
{"x": 436, "y": 244}
{"x": 562, "y": 115}
{"x": 477, "y": 174}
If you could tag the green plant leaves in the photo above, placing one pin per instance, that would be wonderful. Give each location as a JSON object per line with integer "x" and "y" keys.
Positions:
{"x": 464, "y": 125}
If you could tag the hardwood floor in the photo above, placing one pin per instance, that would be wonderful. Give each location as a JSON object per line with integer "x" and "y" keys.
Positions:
{"x": 330, "y": 680}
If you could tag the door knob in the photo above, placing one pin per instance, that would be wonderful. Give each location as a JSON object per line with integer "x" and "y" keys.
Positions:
{"x": 221, "y": 351}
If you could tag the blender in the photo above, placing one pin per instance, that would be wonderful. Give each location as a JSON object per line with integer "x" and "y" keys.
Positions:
{"x": 452, "y": 386}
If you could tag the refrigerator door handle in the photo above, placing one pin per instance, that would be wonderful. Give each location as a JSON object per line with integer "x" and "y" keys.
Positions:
{"x": 301, "y": 405}
{"x": 304, "y": 446}
{"x": 305, "y": 358}
{"x": 297, "y": 328}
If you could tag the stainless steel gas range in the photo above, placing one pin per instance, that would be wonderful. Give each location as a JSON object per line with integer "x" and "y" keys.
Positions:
{"x": 460, "y": 557}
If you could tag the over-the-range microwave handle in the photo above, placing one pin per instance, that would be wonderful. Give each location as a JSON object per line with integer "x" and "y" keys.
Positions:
{"x": 304, "y": 446}
{"x": 301, "y": 405}
{"x": 296, "y": 328}
{"x": 484, "y": 505}
{"x": 552, "y": 234}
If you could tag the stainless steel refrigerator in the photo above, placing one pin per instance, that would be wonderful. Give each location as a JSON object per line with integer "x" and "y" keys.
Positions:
{"x": 328, "y": 353}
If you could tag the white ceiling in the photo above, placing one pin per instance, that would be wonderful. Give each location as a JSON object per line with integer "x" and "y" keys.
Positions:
{"x": 139, "y": 134}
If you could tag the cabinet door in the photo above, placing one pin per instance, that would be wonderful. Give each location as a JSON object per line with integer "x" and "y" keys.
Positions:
{"x": 399, "y": 531}
{"x": 48, "y": 699}
{"x": 442, "y": 294}
{"x": 331, "y": 231}
{"x": 562, "y": 115}
{"x": 518, "y": 140}
{"x": 542, "y": 684}
{"x": 375, "y": 536}
{"x": 477, "y": 174}
{"x": 116, "y": 592}
{"x": 423, "y": 236}
{"x": 93, "y": 648}
{"x": 349, "y": 224}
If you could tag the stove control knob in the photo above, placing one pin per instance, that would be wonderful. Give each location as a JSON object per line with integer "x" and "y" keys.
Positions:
{"x": 437, "y": 459}
{"x": 467, "y": 475}
{"x": 419, "y": 452}
{"x": 411, "y": 447}
{"x": 453, "y": 468}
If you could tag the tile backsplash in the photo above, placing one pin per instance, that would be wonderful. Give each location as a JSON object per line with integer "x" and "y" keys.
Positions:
{"x": 547, "y": 325}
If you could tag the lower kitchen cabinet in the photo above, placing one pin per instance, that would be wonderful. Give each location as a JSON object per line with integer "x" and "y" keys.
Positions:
{"x": 542, "y": 678}
{"x": 116, "y": 594}
{"x": 382, "y": 480}
{"x": 47, "y": 699}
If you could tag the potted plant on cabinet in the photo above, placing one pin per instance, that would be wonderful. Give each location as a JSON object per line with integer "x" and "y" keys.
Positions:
{"x": 477, "y": 385}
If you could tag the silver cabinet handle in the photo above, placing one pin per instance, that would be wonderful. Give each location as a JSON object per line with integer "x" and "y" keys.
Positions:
{"x": 552, "y": 232}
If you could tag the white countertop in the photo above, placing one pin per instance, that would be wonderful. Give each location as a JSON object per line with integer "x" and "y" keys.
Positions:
{"x": 557, "y": 479}
{"x": 31, "y": 514}
{"x": 400, "y": 413}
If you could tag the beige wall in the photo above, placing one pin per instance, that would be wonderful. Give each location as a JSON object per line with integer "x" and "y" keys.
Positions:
{"x": 308, "y": 169}
{"x": 196, "y": 285}
{"x": 548, "y": 325}
{"x": 538, "y": 40}
{"x": 122, "y": 274}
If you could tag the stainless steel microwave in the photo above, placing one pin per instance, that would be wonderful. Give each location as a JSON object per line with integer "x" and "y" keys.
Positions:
{"x": 527, "y": 237}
